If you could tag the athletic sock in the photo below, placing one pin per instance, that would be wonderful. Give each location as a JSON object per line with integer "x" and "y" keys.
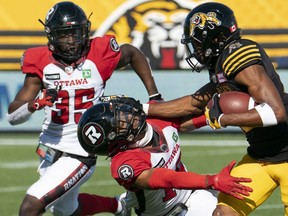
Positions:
{"x": 91, "y": 204}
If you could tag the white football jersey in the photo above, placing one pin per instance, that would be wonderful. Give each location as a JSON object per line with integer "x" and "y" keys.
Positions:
{"x": 80, "y": 88}
{"x": 128, "y": 165}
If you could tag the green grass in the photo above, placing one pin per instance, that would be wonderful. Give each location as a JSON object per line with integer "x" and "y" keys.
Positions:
{"x": 18, "y": 167}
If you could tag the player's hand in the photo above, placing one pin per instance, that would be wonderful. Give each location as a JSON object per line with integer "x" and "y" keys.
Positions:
{"x": 228, "y": 184}
{"x": 123, "y": 99}
{"x": 47, "y": 98}
{"x": 131, "y": 101}
{"x": 214, "y": 113}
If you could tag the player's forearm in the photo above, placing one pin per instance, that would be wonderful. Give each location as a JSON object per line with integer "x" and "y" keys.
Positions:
{"x": 174, "y": 108}
{"x": 18, "y": 113}
{"x": 166, "y": 178}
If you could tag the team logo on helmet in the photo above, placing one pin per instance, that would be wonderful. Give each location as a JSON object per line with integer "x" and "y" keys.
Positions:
{"x": 93, "y": 134}
{"x": 50, "y": 12}
{"x": 201, "y": 20}
{"x": 125, "y": 172}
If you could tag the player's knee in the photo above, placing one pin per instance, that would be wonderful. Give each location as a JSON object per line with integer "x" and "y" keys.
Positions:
{"x": 224, "y": 211}
{"x": 31, "y": 206}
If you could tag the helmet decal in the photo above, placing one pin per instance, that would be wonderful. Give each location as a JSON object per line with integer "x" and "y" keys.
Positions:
{"x": 50, "y": 12}
{"x": 201, "y": 20}
{"x": 93, "y": 133}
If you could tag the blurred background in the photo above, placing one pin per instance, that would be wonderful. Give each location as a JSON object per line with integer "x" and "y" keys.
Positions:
{"x": 153, "y": 26}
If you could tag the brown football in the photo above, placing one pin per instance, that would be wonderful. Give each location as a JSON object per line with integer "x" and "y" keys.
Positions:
{"x": 234, "y": 102}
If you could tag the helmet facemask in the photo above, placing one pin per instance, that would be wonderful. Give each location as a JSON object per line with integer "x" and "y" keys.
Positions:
{"x": 129, "y": 125}
{"x": 70, "y": 42}
{"x": 110, "y": 127}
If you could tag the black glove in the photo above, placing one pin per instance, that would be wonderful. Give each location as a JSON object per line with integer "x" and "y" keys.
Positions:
{"x": 53, "y": 93}
{"x": 47, "y": 98}
{"x": 214, "y": 113}
{"x": 131, "y": 101}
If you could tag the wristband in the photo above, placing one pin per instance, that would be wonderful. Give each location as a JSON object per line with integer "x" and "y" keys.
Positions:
{"x": 20, "y": 115}
{"x": 199, "y": 121}
{"x": 154, "y": 95}
{"x": 145, "y": 108}
{"x": 267, "y": 114}
{"x": 219, "y": 120}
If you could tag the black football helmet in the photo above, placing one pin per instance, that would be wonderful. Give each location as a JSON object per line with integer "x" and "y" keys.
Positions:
{"x": 208, "y": 28}
{"x": 109, "y": 127}
{"x": 67, "y": 29}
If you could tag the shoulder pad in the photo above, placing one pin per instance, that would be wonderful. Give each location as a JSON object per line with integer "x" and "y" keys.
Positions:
{"x": 239, "y": 55}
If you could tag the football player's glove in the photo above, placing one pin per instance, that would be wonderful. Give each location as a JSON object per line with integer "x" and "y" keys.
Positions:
{"x": 214, "y": 113}
{"x": 132, "y": 101}
{"x": 228, "y": 184}
{"x": 47, "y": 98}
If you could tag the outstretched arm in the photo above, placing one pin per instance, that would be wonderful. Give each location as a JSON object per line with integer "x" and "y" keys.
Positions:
{"x": 158, "y": 178}
{"x": 187, "y": 105}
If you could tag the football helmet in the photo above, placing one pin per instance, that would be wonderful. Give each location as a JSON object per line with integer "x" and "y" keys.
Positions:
{"x": 67, "y": 29}
{"x": 208, "y": 28}
{"x": 109, "y": 127}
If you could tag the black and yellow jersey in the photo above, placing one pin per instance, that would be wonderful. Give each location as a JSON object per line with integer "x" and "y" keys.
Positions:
{"x": 265, "y": 143}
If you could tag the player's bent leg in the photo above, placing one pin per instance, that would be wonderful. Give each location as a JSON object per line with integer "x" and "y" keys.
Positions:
{"x": 262, "y": 184}
{"x": 224, "y": 210}
{"x": 201, "y": 203}
{"x": 280, "y": 170}
{"x": 58, "y": 187}
{"x": 31, "y": 206}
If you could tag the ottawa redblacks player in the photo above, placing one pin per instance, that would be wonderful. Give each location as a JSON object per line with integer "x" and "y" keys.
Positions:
{"x": 213, "y": 40}
{"x": 146, "y": 161}
{"x": 71, "y": 72}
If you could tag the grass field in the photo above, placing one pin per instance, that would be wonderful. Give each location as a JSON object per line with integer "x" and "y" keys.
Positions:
{"x": 203, "y": 153}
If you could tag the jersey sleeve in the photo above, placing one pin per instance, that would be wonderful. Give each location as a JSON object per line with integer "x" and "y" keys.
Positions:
{"x": 128, "y": 165}
{"x": 238, "y": 56}
{"x": 105, "y": 53}
{"x": 161, "y": 122}
{"x": 33, "y": 61}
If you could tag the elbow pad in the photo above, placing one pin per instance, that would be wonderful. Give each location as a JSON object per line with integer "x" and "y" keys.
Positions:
{"x": 267, "y": 114}
{"x": 20, "y": 115}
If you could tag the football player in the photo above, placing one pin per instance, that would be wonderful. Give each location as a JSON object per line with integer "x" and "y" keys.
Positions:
{"x": 71, "y": 72}
{"x": 213, "y": 40}
{"x": 146, "y": 161}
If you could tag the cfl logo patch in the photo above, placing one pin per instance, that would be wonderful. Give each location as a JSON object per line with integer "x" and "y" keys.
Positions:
{"x": 114, "y": 45}
{"x": 125, "y": 172}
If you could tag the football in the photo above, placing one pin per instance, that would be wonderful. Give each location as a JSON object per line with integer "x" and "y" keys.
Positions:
{"x": 234, "y": 102}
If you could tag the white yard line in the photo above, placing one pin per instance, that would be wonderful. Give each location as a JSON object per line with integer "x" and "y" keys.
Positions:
{"x": 184, "y": 142}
